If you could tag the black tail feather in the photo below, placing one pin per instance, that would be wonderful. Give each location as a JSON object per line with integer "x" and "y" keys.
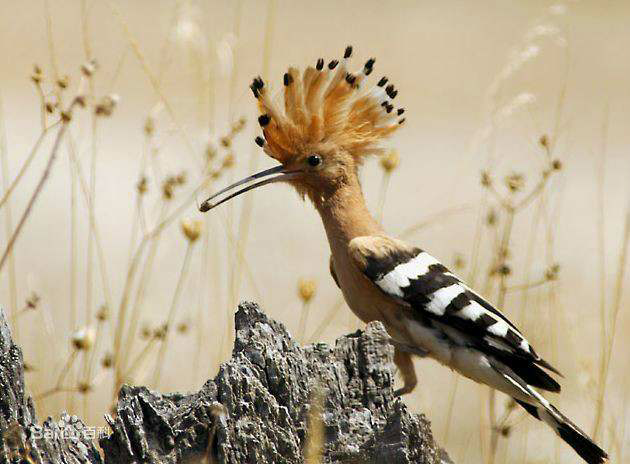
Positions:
{"x": 534, "y": 375}
{"x": 583, "y": 445}
{"x": 533, "y": 410}
{"x": 586, "y": 448}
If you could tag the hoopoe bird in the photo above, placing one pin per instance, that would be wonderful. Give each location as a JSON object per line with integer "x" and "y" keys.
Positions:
{"x": 328, "y": 124}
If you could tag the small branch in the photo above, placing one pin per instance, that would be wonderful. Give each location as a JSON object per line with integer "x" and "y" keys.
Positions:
{"x": 62, "y": 376}
{"x": 527, "y": 286}
{"x": 38, "y": 188}
{"x": 26, "y": 164}
{"x": 171, "y": 315}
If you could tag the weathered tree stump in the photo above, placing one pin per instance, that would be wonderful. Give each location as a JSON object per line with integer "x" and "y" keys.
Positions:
{"x": 255, "y": 410}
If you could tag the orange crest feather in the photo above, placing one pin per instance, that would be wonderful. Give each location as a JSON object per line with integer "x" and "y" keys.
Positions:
{"x": 327, "y": 106}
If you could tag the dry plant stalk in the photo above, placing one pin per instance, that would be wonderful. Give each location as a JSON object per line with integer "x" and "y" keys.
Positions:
{"x": 313, "y": 451}
{"x": 66, "y": 117}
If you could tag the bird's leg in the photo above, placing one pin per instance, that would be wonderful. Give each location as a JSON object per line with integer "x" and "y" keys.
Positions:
{"x": 405, "y": 365}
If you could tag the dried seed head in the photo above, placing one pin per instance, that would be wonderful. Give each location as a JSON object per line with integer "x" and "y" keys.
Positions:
{"x": 149, "y": 126}
{"x": 169, "y": 184}
{"x": 84, "y": 387}
{"x": 160, "y": 332}
{"x": 191, "y": 229}
{"x": 106, "y": 106}
{"x": 183, "y": 327}
{"x": 556, "y": 165}
{"x": 89, "y": 68}
{"x": 505, "y": 431}
{"x": 544, "y": 141}
{"x": 552, "y": 272}
{"x": 486, "y": 180}
{"x": 143, "y": 185}
{"x": 228, "y": 161}
{"x": 167, "y": 190}
{"x": 32, "y": 301}
{"x": 83, "y": 339}
{"x": 107, "y": 361}
{"x": 36, "y": 75}
{"x": 62, "y": 82}
{"x": 491, "y": 218}
{"x": 515, "y": 182}
{"x": 306, "y": 289}
{"x": 503, "y": 269}
{"x": 226, "y": 142}
{"x": 66, "y": 116}
{"x": 50, "y": 107}
{"x": 238, "y": 126}
{"x": 180, "y": 179}
{"x": 390, "y": 161}
{"x": 103, "y": 313}
{"x": 211, "y": 152}
{"x": 80, "y": 100}
{"x": 145, "y": 332}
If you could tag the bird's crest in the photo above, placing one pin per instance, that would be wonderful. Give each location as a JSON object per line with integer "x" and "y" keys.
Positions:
{"x": 327, "y": 104}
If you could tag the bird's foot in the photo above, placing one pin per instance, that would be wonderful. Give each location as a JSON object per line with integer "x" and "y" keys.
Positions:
{"x": 403, "y": 361}
{"x": 405, "y": 389}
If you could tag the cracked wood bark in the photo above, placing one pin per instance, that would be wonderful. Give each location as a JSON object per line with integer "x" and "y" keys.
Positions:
{"x": 254, "y": 411}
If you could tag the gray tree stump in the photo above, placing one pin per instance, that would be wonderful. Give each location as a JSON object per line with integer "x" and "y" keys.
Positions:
{"x": 256, "y": 410}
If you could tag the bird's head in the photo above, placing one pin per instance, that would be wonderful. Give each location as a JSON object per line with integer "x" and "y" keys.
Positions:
{"x": 327, "y": 123}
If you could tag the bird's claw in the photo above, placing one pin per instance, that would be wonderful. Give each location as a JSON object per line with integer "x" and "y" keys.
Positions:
{"x": 405, "y": 389}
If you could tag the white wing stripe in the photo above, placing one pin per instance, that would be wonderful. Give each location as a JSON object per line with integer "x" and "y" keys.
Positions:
{"x": 499, "y": 328}
{"x": 398, "y": 278}
{"x": 417, "y": 266}
{"x": 472, "y": 311}
{"x": 441, "y": 298}
{"x": 392, "y": 282}
{"x": 524, "y": 345}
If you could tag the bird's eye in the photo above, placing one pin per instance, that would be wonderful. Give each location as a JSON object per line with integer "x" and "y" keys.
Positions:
{"x": 314, "y": 160}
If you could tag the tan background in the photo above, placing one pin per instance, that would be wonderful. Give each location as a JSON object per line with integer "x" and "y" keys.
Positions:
{"x": 444, "y": 57}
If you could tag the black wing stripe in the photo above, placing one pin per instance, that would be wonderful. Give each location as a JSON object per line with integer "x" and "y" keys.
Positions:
{"x": 457, "y": 304}
{"x": 421, "y": 288}
{"x": 492, "y": 309}
{"x": 379, "y": 266}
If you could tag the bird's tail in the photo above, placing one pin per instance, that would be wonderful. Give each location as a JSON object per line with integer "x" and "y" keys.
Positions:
{"x": 538, "y": 406}
{"x": 567, "y": 430}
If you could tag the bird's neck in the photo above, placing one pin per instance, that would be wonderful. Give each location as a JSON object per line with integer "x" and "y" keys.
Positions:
{"x": 345, "y": 214}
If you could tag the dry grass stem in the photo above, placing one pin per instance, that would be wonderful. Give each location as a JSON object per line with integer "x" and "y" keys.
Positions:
{"x": 8, "y": 216}
{"x": 313, "y": 451}
{"x": 159, "y": 363}
{"x": 40, "y": 185}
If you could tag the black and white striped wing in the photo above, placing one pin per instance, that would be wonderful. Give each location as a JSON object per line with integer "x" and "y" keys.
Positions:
{"x": 420, "y": 281}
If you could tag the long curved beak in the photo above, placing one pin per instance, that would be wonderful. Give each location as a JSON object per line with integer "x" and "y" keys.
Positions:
{"x": 283, "y": 176}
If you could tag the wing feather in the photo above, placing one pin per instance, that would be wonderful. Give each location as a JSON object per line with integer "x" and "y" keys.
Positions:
{"x": 420, "y": 281}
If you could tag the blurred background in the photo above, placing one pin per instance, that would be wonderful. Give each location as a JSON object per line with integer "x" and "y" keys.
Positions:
{"x": 514, "y": 156}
